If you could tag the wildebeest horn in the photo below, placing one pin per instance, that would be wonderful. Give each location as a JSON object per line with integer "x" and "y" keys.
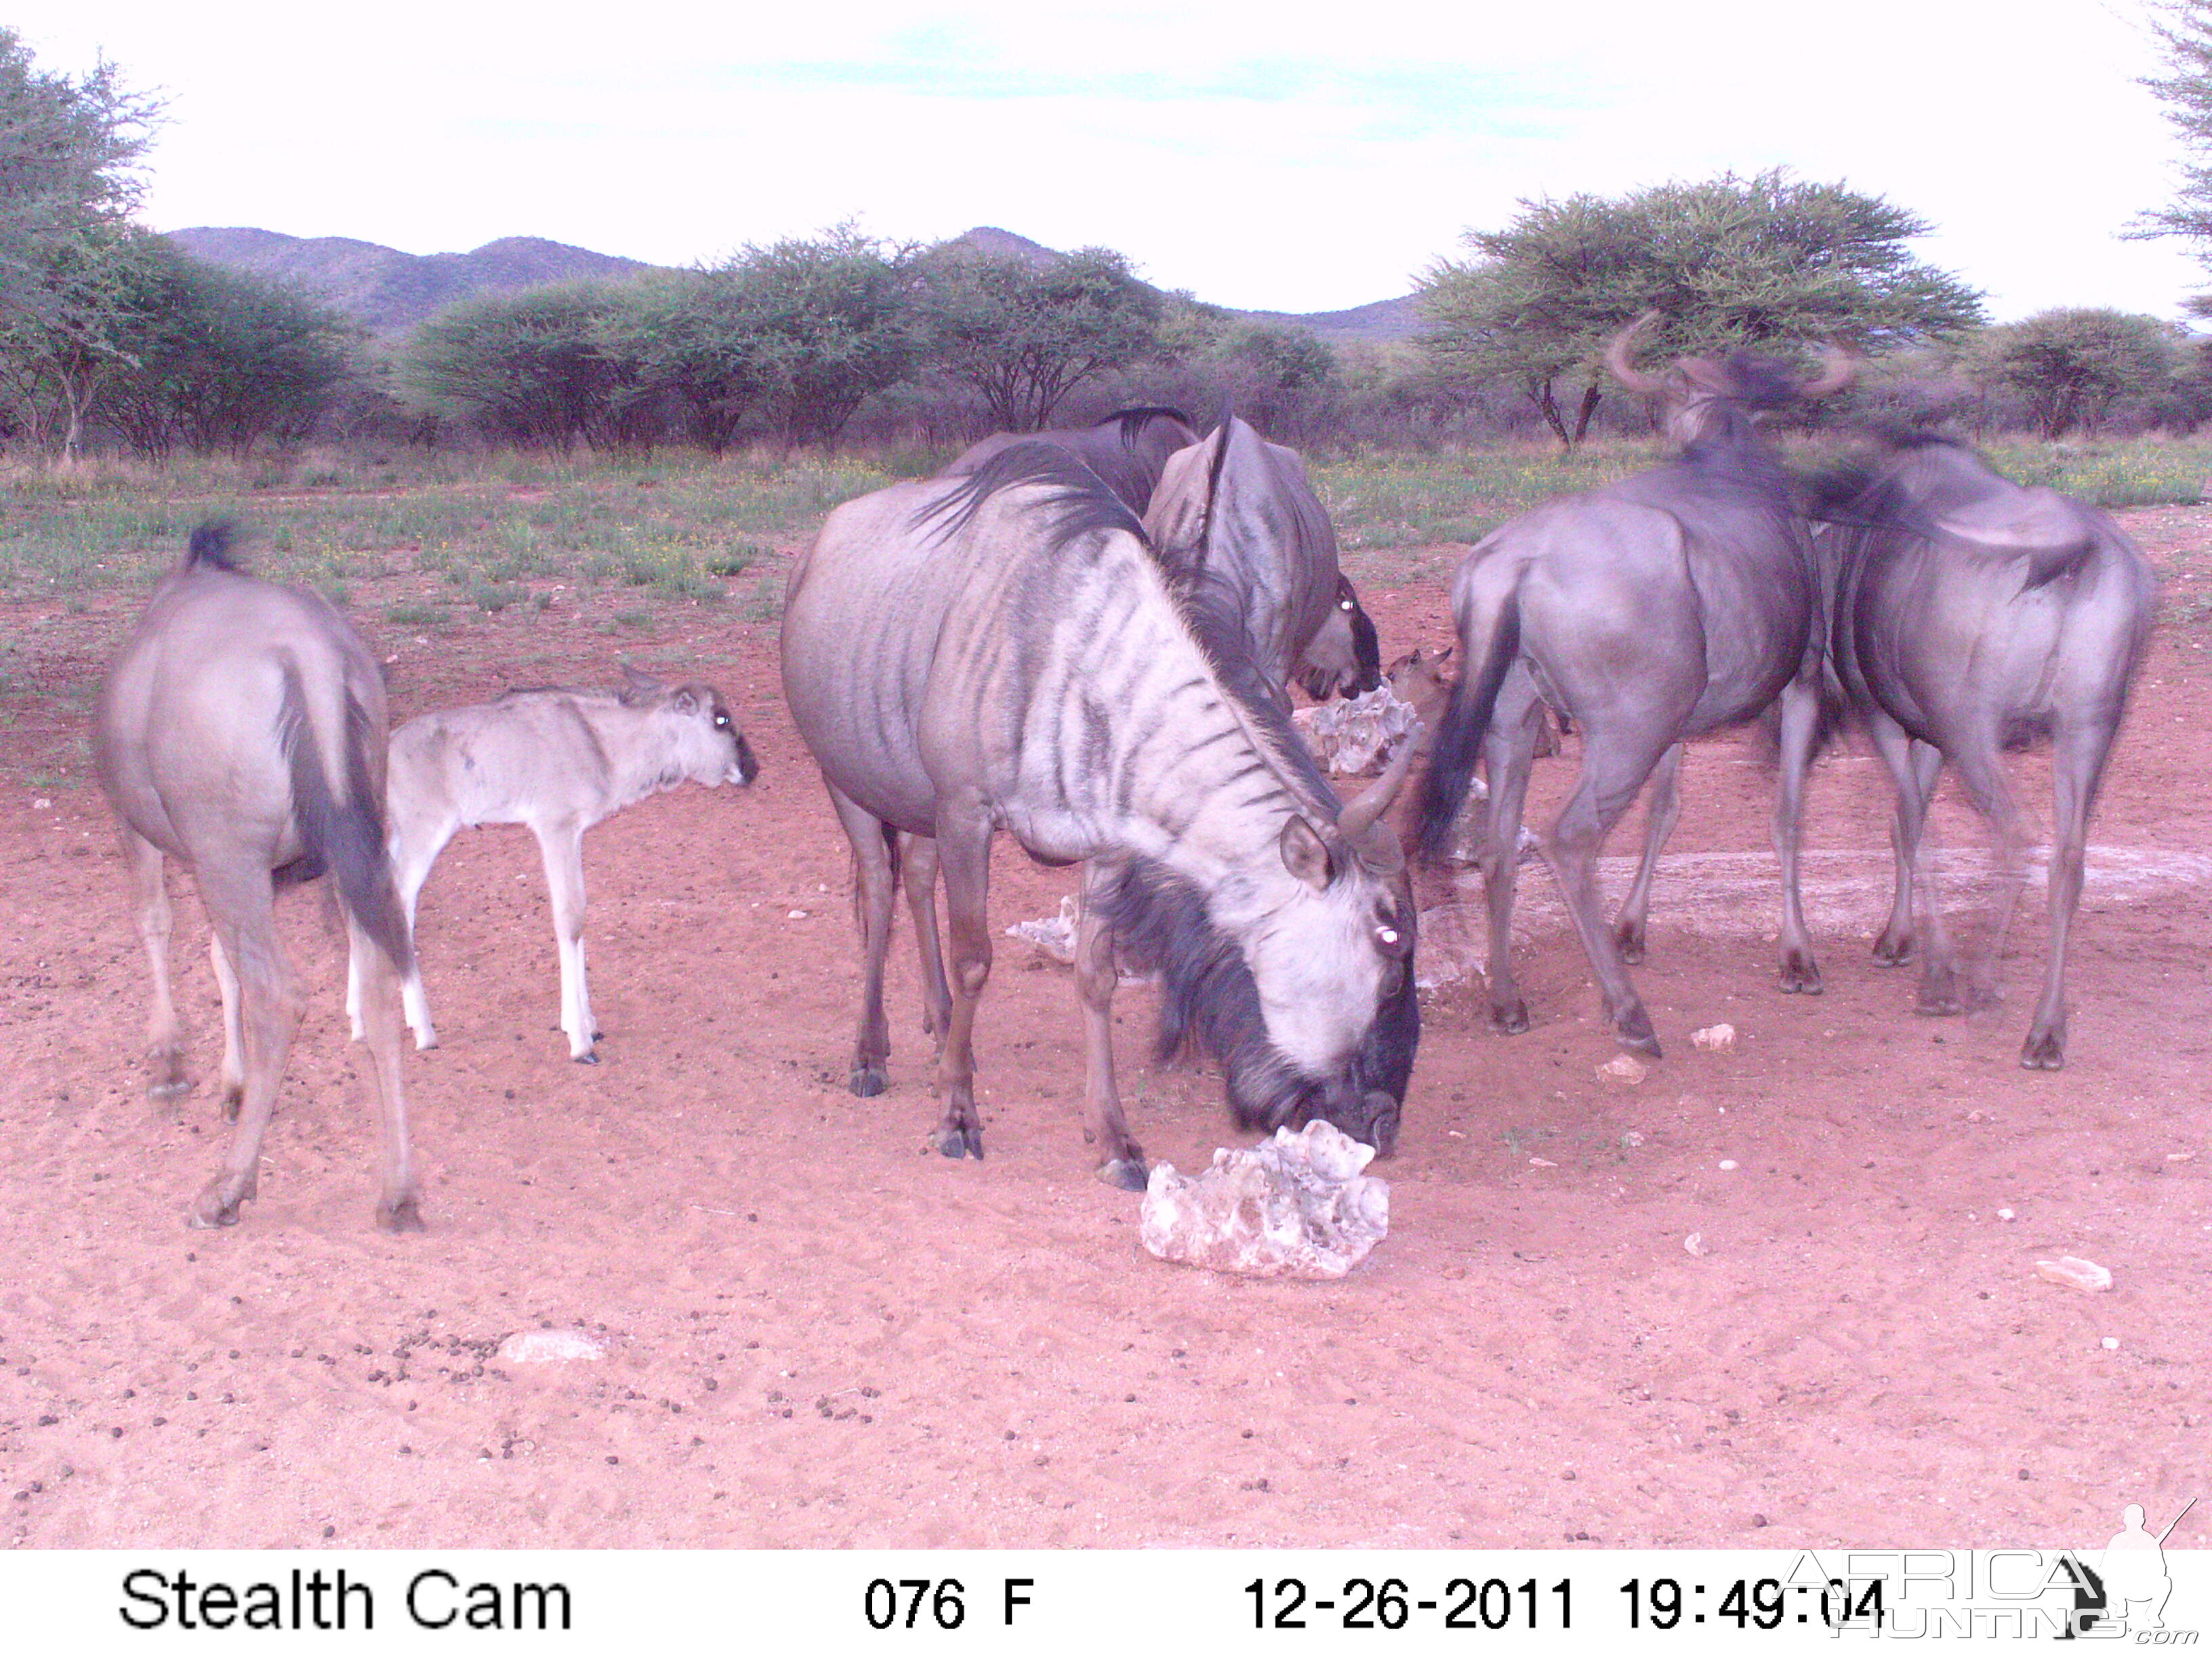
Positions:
{"x": 1372, "y": 802}
{"x": 1624, "y": 369}
{"x": 1842, "y": 369}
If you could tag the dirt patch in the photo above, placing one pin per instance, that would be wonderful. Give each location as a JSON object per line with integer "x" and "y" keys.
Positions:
{"x": 817, "y": 1333}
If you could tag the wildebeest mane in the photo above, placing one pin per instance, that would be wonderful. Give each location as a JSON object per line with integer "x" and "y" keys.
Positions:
{"x": 1134, "y": 419}
{"x": 1086, "y": 503}
{"x": 1214, "y": 612}
{"x": 1209, "y": 1002}
{"x": 1869, "y": 496}
{"x": 210, "y": 545}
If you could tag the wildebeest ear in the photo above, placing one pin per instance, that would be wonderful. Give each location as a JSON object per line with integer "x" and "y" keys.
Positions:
{"x": 1305, "y": 855}
{"x": 1442, "y": 657}
{"x": 685, "y": 701}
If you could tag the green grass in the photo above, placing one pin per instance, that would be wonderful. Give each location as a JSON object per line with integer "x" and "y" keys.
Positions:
{"x": 579, "y": 521}
{"x": 686, "y": 529}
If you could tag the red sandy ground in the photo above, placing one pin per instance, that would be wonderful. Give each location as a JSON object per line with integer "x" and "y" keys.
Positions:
{"x": 818, "y": 1334}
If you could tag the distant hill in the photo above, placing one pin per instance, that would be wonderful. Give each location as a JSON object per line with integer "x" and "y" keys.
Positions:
{"x": 387, "y": 290}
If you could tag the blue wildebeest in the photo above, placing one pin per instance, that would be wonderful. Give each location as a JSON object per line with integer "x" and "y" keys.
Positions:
{"x": 1674, "y": 603}
{"x": 1239, "y": 507}
{"x": 1003, "y": 651}
{"x": 559, "y": 761}
{"x": 1974, "y": 615}
{"x": 241, "y": 732}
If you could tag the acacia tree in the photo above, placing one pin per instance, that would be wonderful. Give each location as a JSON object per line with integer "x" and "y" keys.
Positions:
{"x": 2183, "y": 30}
{"x": 2072, "y": 366}
{"x": 1025, "y": 336}
{"x": 536, "y": 366}
{"x": 67, "y": 255}
{"x": 1726, "y": 262}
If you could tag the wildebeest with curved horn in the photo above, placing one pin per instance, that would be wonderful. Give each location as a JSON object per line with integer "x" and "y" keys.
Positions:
{"x": 1003, "y": 651}
{"x": 242, "y": 731}
{"x": 1240, "y": 506}
{"x": 1973, "y": 615}
{"x": 1667, "y": 605}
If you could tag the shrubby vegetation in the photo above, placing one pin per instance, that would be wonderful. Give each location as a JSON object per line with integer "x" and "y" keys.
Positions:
{"x": 112, "y": 339}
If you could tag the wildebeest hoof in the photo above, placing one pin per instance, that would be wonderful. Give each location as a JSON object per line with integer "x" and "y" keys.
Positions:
{"x": 1801, "y": 976}
{"x": 1512, "y": 1019}
{"x": 587, "y": 1058}
{"x": 953, "y": 1141}
{"x": 1629, "y": 943}
{"x": 868, "y": 1080}
{"x": 2043, "y": 1051}
{"x": 1128, "y": 1173}
{"x": 174, "y": 1088}
{"x": 404, "y": 1217}
{"x": 1893, "y": 950}
{"x": 1939, "y": 1002}
{"x": 1633, "y": 1030}
{"x": 212, "y": 1209}
{"x": 233, "y": 1098}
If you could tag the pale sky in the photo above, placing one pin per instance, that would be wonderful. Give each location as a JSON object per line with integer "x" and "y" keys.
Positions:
{"x": 1287, "y": 156}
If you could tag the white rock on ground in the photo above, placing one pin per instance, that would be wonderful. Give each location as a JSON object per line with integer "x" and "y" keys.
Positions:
{"x": 536, "y": 1347}
{"x": 1356, "y": 735}
{"x": 2078, "y": 1271}
{"x": 1294, "y": 1206}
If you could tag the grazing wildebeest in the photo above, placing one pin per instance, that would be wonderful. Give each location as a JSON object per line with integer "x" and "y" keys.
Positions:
{"x": 1126, "y": 449}
{"x": 1669, "y": 604}
{"x": 1974, "y": 615}
{"x": 242, "y": 731}
{"x": 1003, "y": 651}
{"x": 559, "y": 761}
{"x": 1240, "y": 507}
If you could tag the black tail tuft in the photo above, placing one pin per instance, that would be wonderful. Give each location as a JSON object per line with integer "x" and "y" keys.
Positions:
{"x": 211, "y": 546}
{"x": 1366, "y": 645}
{"x": 1460, "y": 733}
{"x": 345, "y": 838}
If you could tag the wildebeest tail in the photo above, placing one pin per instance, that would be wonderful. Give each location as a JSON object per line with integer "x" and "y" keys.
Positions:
{"x": 1466, "y": 721}
{"x": 344, "y": 836}
{"x": 209, "y": 548}
{"x": 860, "y": 899}
{"x": 1366, "y": 648}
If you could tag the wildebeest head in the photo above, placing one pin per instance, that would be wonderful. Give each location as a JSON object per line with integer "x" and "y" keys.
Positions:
{"x": 701, "y": 739}
{"x": 1296, "y": 974}
{"x": 1345, "y": 657}
{"x": 1701, "y": 396}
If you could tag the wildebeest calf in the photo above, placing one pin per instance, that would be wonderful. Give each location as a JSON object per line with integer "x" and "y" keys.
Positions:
{"x": 559, "y": 761}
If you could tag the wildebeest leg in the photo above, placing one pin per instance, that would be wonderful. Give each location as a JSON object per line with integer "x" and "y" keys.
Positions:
{"x": 2077, "y": 763}
{"x": 1801, "y": 723}
{"x": 1981, "y": 770}
{"x": 410, "y": 868}
{"x": 165, "y": 1036}
{"x": 1666, "y": 806}
{"x": 240, "y": 904}
{"x": 1120, "y": 1160}
{"x": 561, "y": 844}
{"x": 1913, "y": 767}
{"x": 399, "y": 1205}
{"x": 1507, "y": 755}
{"x": 874, "y": 879}
{"x": 918, "y": 867}
{"x": 963, "y": 851}
{"x": 1614, "y": 767}
{"x": 233, "y": 1075}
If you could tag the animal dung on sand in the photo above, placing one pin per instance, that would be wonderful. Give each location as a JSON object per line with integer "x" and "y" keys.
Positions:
{"x": 1295, "y": 1206}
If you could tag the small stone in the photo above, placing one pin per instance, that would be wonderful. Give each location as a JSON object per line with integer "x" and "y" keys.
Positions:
{"x": 1624, "y": 1068}
{"x": 2077, "y": 1272}
{"x": 795, "y": 915}
{"x": 1715, "y": 1039}
{"x": 1296, "y": 1205}
{"x": 2005, "y": 1215}
{"x": 1542, "y": 1164}
{"x": 1632, "y": 1138}
{"x": 2179, "y": 1158}
{"x": 2112, "y": 1342}
{"x": 1727, "y": 1163}
{"x": 1978, "y": 1116}
{"x": 536, "y": 1347}
{"x": 42, "y": 804}
{"x": 1695, "y": 1244}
